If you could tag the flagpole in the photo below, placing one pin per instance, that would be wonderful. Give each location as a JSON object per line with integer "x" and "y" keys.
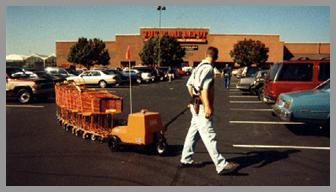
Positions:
{"x": 130, "y": 84}
{"x": 128, "y": 57}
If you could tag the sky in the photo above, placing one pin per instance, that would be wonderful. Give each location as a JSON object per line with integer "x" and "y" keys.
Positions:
{"x": 35, "y": 29}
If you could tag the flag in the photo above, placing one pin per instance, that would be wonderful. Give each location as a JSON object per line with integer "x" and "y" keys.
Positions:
{"x": 128, "y": 53}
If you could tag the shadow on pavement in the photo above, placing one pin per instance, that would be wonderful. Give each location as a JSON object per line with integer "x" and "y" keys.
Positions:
{"x": 13, "y": 100}
{"x": 309, "y": 130}
{"x": 257, "y": 159}
{"x": 172, "y": 150}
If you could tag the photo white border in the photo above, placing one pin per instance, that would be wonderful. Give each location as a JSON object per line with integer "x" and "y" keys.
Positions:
{"x": 5, "y": 3}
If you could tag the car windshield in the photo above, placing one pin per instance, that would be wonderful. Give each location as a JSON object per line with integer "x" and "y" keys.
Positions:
{"x": 110, "y": 72}
{"x": 44, "y": 75}
{"x": 324, "y": 86}
{"x": 146, "y": 70}
{"x": 129, "y": 71}
{"x": 274, "y": 70}
{"x": 261, "y": 74}
{"x": 251, "y": 71}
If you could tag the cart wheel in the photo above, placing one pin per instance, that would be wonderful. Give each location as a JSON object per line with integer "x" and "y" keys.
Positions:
{"x": 85, "y": 135}
{"x": 100, "y": 139}
{"x": 161, "y": 147}
{"x": 73, "y": 131}
{"x": 261, "y": 94}
{"x": 93, "y": 137}
{"x": 68, "y": 127}
{"x": 78, "y": 132}
{"x": 113, "y": 143}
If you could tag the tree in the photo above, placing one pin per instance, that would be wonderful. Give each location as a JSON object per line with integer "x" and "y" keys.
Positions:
{"x": 171, "y": 53}
{"x": 89, "y": 52}
{"x": 248, "y": 52}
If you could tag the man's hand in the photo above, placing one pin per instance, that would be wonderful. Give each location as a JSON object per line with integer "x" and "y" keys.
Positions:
{"x": 208, "y": 112}
{"x": 207, "y": 106}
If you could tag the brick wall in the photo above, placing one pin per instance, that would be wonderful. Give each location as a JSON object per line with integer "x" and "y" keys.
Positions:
{"x": 224, "y": 42}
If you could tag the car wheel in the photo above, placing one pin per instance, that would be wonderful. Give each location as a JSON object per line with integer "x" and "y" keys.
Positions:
{"x": 24, "y": 96}
{"x": 102, "y": 84}
{"x": 261, "y": 94}
{"x": 118, "y": 81}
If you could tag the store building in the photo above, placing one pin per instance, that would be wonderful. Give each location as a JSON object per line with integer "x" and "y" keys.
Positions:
{"x": 196, "y": 41}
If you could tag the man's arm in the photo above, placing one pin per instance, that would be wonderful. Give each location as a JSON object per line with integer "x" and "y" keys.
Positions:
{"x": 190, "y": 83}
{"x": 206, "y": 103}
{"x": 190, "y": 91}
{"x": 206, "y": 84}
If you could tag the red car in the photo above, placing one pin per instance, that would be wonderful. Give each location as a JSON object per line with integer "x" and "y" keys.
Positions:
{"x": 180, "y": 72}
{"x": 294, "y": 76}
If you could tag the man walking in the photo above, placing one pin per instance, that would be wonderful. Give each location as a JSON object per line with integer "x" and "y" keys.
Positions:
{"x": 201, "y": 88}
{"x": 227, "y": 76}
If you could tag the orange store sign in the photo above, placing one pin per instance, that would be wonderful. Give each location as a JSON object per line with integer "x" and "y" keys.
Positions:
{"x": 182, "y": 35}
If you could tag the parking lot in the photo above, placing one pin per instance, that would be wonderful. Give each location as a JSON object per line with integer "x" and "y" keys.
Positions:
{"x": 269, "y": 151}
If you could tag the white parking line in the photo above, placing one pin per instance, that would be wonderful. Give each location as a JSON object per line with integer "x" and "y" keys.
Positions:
{"x": 241, "y": 109}
{"x": 25, "y": 106}
{"x": 245, "y": 102}
{"x": 244, "y": 96}
{"x": 267, "y": 122}
{"x": 282, "y": 147}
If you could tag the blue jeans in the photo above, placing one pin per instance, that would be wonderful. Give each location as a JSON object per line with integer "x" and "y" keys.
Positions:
{"x": 227, "y": 82}
{"x": 202, "y": 128}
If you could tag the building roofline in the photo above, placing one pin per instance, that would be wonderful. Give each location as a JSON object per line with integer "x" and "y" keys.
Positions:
{"x": 127, "y": 34}
{"x": 307, "y": 42}
{"x": 70, "y": 41}
{"x": 65, "y": 40}
{"x": 175, "y": 28}
{"x": 235, "y": 34}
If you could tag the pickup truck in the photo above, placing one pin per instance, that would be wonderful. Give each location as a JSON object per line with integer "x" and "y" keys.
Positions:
{"x": 24, "y": 86}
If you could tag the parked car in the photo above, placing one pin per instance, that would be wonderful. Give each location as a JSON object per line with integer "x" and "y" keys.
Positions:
{"x": 122, "y": 77}
{"x": 235, "y": 71}
{"x": 238, "y": 72}
{"x": 58, "y": 72}
{"x": 310, "y": 106}
{"x": 79, "y": 71}
{"x": 72, "y": 71}
{"x": 257, "y": 85}
{"x": 45, "y": 75}
{"x": 25, "y": 86}
{"x": 247, "y": 79}
{"x": 294, "y": 76}
{"x": 146, "y": 73}
{"x": 187, "y": 70}
{"x": 163, "y": 72}
{"x": 135, "y": 75}
{"x": 158, "y": 76}
{"x": 95, "y": 77}
{"x": 180, "y": 72}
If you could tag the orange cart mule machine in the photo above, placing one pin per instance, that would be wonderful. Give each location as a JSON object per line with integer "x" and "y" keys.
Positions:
{"x": 90, "y": 113}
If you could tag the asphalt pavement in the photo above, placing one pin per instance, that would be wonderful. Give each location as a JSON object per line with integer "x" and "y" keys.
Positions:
{"x": 41, "y": 153}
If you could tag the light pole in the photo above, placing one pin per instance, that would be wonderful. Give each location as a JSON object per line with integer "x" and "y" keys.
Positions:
{"x": 160, "y": 8}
